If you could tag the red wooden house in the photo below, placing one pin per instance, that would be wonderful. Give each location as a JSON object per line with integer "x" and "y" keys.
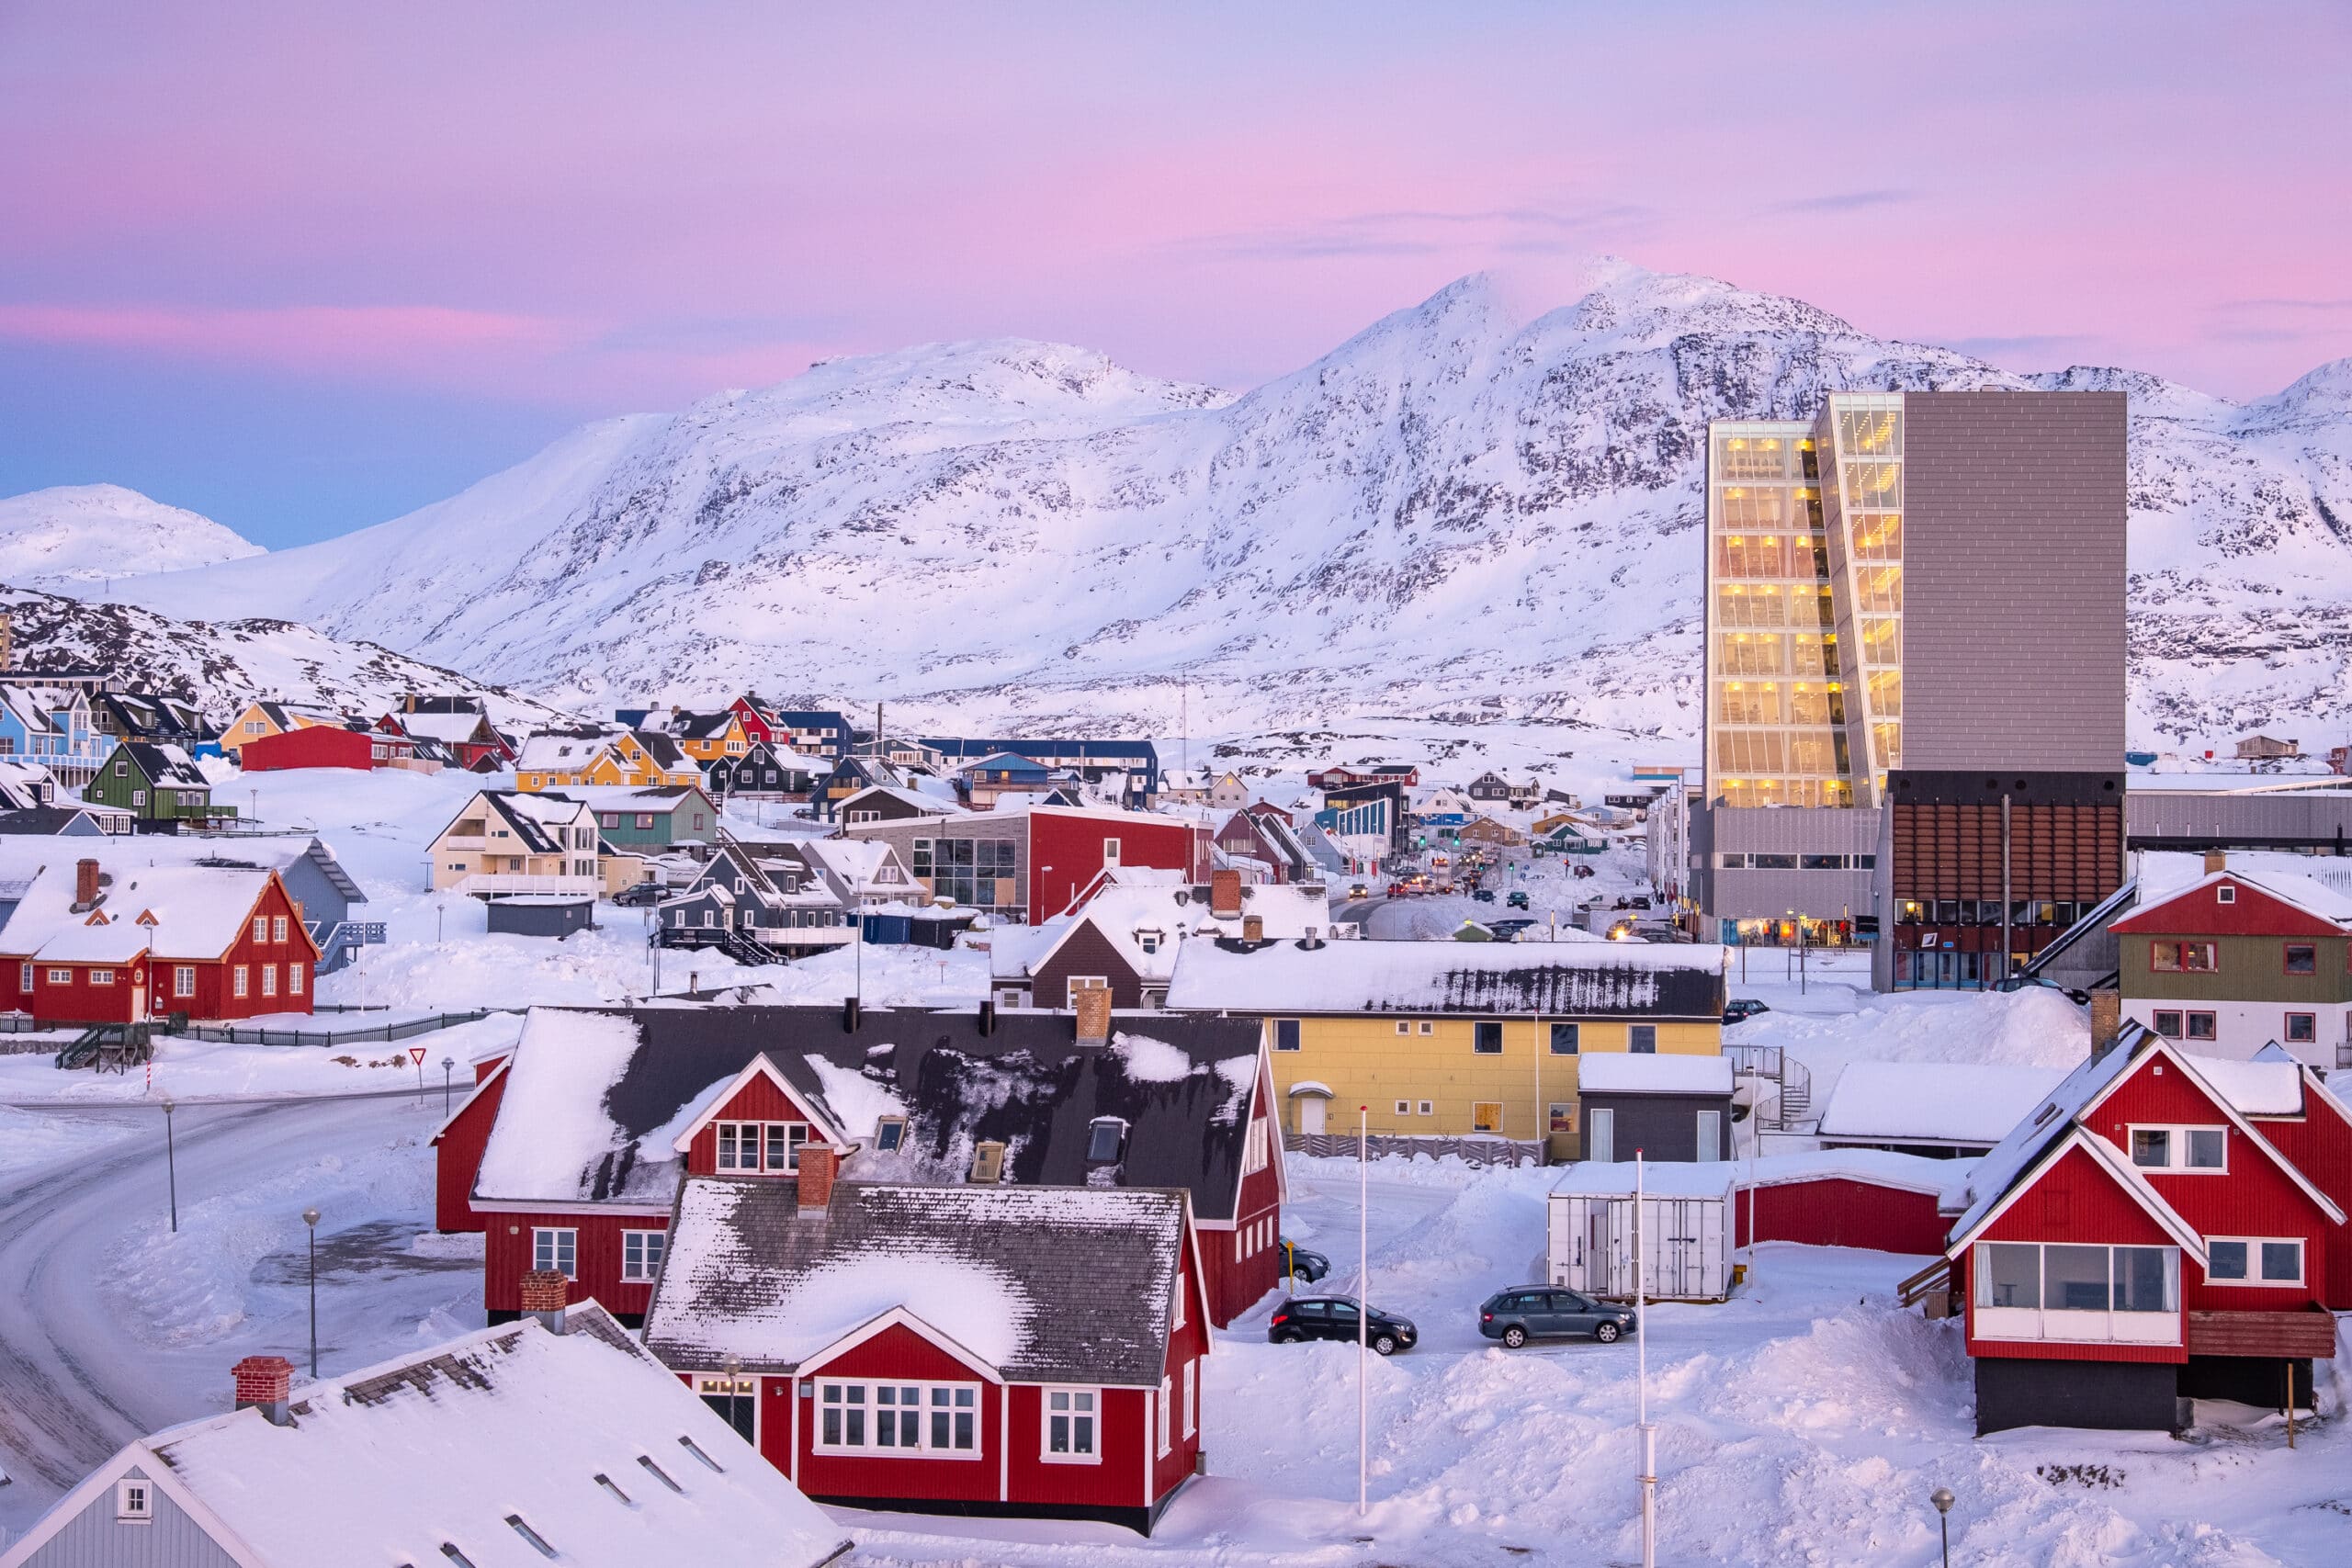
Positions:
{"x": 108, "y": 942}
{"x": 759, "y": 722}
{"x": 984, "y": 1349}
{"x": 2140, "y": 1240}
{"x": 1071, "y": 849}
{"x": 569, "y": 1152}
{"x": 325, "y": 746}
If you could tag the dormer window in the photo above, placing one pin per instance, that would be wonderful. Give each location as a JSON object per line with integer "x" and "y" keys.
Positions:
{"x": 1148, "y": 939}
{"x": 889, "y": 1133}
{"x": 1107, "y": 1141}
{"x": 988, "y": 1163}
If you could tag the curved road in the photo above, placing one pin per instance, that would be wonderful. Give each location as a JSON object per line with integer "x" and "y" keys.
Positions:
{"x": 75, "y": 1386}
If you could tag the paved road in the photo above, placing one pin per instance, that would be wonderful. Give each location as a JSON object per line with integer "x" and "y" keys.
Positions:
{"x": 73, "y": 1386}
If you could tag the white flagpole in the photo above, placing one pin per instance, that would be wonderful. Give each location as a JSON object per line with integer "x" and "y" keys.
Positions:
{"x": 1642, "y": 1370}
{"x": 1364, "y": 1303}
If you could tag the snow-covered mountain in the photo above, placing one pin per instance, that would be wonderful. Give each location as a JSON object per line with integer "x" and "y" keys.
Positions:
{"x": 1467, "y": 514}
{"x": 222, "y": 665}
{"x": 77, "y": 534}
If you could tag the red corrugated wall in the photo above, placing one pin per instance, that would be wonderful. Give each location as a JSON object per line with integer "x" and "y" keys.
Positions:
{"x": 1836, "y": 1211}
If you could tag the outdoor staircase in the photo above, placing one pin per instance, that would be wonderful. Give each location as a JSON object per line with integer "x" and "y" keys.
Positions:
{"x": 82, "y": 1052}
{"x": 1791, "y": 1098}
{"x": 1936, "y": 1285}
{"x": 116, "y": 1048}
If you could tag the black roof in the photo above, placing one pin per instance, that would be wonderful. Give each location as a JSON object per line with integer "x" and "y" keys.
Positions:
{"x": 39, "y": 820}
{"x": 1182, "y": 1085}
{"x": 1087, "y": 1273}
{"x": 162, "y": 768}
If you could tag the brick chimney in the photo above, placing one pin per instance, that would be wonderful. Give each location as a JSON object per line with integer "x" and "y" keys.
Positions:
{"x": 2107, "y": 1020}
{"x": 1253, "y": 928}
{"x": 265, "y": 1384}
{"x": 85, "y": 883}
{"x": 1092, "y": 1004}
{"x": 819, "y": 1165}
{"x": 546, "y": 1292}
{"x": 1225, "y": 894}
{"x": 2216, "y": 861}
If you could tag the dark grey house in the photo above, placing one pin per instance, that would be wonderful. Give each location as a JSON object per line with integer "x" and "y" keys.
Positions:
{"x": 1669, "y": 1108}
{"x": 758, "y": 910}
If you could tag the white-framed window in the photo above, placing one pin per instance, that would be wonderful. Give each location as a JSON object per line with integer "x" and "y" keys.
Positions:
{"x": 102, "y": 976}
{"x": 2253, "y": 1260}
{"x": 294, "y": 979}
{"x": 138, "y": 797}
{"x": 1257, "y": 1147}
{"x": 135, "y": 1501}
{"x": 642, "y": 1253}
{"x": 911, "y": 1420}
{"x": 1164, "y": 1406}
{"x": 1404, "y": 1108}
{"x": 269, "y": 979}
{"x": 1428, "y": 1108}
{"x": 1070, "y": 1430}
{"x": 240, "y": 981}
{"x": 2199, "y": 1150}
{"x": 61, "y": 977}
{"x": 277, "y": 928}
{"x": 1176, "y": 1318}
{"x": 1086, "y": 983}
{"x": 261, "y": 928}
{"x": 768, "y": 1148}
{"x": 1191, "y": 1397}
{"x": 1403, "y": 1027}
{"x": 25, "y": 977}
{"x": 556, "y": 1249}
{"x": 2064, "y": 1292}
{"x": 1428, "y": 1028}
{"x": 184, "y": 979}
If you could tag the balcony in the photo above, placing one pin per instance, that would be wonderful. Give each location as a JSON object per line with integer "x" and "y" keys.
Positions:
{"x": 455, "y": 842}
{"x": 486, "y": 885}
{"x": 2292, "y": 1335}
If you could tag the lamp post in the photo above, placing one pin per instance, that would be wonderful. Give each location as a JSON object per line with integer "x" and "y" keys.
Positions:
{"x": 310, "y": 1218}
{"x": 448, "y": 1065}
{"x": 171, "y": 1165}
{"x": 1942, "y": 1498}
{"x": 1364, "y": 1302}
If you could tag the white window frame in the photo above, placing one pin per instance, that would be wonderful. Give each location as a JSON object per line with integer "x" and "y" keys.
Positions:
{"x": 261, "y": 928}
{"x": 25, "y": 975}
{"x": 1072, "y": 1414}
{"x": 61, "y": 977}
{"x": 1176, "y": 1318}
{"x": 1077, "y": 983}
{"x": 833, "y": 1395}
{"x": 2254, "y": 1279}
{"x": 135, "y": 1501}
{"x": 1257, "y": 1146}
{"x": 559, "y": 1239}
{"x": 102, "y": 976}
{"x": 277, "y": 928}
{"x": 269, "y": 979}
{"x": 2176, "y": 1147}
{"x": 651, "y": 1246}
{"x": 294, "y": 979}
{"x": 240, "y": 981}
{"x": 1164, "y": 1417}
{"x": 184, "y": 979}
{"x": 760, "y": 1166}
{"x": 2105, "y": 1326}
{"x": 1191, "y": 1397}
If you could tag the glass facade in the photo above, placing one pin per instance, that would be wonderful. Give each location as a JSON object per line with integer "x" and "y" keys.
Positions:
{"x": 1777, "y": 728}
{"x": 1858, "y": 440}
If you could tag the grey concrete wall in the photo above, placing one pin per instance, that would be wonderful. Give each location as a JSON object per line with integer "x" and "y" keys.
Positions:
{"x": 2290, "y": 819}
{"x": 1755, "y": 895}
{"x": 2014, "y": 579}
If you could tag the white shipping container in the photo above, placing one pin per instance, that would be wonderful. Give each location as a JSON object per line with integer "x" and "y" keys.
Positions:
{"x": 1685, "y": 1252}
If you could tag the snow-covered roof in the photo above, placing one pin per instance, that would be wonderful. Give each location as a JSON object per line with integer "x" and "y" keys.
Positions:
{"x": 1562, "y": 979}
{"x": 1878, "y": 1167}
{"x": 2314, "y": 897}
{"x": 1122, "y": 914}
{"x": 1043, "y": 1284}
{"x": 1975, "y": 1191}
{"x": 597, "y": 1098}
{"x": 1625, "y": 1072}
{"x": 165, "y": 763}
{"x": 2256, "y": 1087}
{"x": 446, "y": 728}
{"x": 191, "y": 911}
{"x": 446, "y": 1448}
{"x": 660, "y": 799}
{"x": 1955, "y": 1102}
{"x": 919, "y": 800}
{"x": 859, "y": 865}
{"x": 1660, "y": 1178}
{"x": 561, "y": 751}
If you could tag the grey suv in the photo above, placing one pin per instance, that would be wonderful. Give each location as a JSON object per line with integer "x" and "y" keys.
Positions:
{"x": 1538, "y": 1311}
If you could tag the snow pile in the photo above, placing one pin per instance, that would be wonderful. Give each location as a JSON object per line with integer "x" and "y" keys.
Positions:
{"x": 857, "y": 1101}
{"x": 561, "y": 1068}
{"x": 1960, "y": 1102}
{"x": 1152, "y": 1061}
{"x": 30, "y": 1139}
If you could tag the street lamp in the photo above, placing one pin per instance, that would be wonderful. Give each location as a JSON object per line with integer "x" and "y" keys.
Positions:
{"x": 1942, "y": 1498}
{"x": 447, "y": 1063}
{"x": 171, "y": 1165}
{"x": 310, "y": 1218}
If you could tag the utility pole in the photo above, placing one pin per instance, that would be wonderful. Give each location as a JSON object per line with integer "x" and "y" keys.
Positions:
{"x": 1642, "y": 1370}
{"x": 310, "y": 1218}
{"x": 1363, "y": 1304}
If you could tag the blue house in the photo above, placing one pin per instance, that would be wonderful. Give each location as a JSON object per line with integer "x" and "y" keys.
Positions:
{"x": 52, "y": 725}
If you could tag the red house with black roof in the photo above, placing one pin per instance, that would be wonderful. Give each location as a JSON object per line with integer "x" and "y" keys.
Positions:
{"x": 570, "y": 1152}
{"x": 2142, "y": 1239}
{"x": 979, "y": 1349}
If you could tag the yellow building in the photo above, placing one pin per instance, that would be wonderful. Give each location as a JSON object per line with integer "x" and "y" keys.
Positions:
{"x": 562, "y": 759}
{"x": 263, "y": 719}
{"x": 1452, "y": 1040}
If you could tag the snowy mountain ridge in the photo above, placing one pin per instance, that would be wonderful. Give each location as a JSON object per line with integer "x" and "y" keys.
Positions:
{"x": 76, "y": 534}
{"x": 1466, "y": 515}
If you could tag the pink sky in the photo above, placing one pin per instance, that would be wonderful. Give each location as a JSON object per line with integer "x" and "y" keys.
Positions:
{"x": 590, "y": 208}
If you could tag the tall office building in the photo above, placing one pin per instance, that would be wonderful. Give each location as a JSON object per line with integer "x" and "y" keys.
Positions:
{"x": 1914, "y": 627}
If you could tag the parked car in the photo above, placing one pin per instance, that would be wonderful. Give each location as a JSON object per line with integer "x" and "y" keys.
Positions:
{"x": 1334, "y": 1317}
{"x": 2035, "y": 982}
{"x": 1483, "y": 895}
{"x": 1506, "y": 930}
{"x": 1548, "y": 1312}
{"x": 1641, "y": 900}
{"x": 1518, "y": 899}
{"x": 1303, "y": 1263}
{"x": 641, "y": 894}
{"x": 1742, "y": 1006}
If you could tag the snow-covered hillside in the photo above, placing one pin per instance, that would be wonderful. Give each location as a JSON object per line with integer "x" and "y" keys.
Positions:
{"x": 85, "y": 534}
{"x": 222, "y": 665}
{"x": 1466, "y": 514}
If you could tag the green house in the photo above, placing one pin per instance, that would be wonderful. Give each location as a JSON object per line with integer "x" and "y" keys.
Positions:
{"x": 158, "y": 784}
{"x": 644, "y": 819}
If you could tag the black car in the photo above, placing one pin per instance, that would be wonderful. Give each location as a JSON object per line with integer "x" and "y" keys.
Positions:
{"x": 1742, "y": 1006}
{"x": 641, "y": 894}
{"x": 1545, "y": 1311}
{"x": 1303, "y": 1263}
{"x": 1483, "y": 895}
{"x": 1334, "y": 1317}
{"x": 1508, "y": 927}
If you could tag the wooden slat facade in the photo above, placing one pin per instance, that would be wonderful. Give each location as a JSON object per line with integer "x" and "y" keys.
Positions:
{"x": 2066, "y": 853}
{"x": 2293, "y": 1334}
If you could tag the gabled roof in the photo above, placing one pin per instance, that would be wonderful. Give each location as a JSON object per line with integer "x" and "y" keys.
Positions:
{"x": 661, "y": 799}
{"x": 172, "y": 911}
{"x": 1055, "y": 1284}
{"x": 561, "y": 751}
{"x": 163, "y": 763}
{"x": 450, "y": 728}
{"x": 1933, "y": 1102}
{"x": 596, "y": 1098}
{"x": 1120, "y": 912}
{"x": 1562, "y": 979}
{"x": 926, "y": 805}
{"x": 389, "y": 1462}
{"x": 2110, "y": 1159}
{"x": 2329, "y": 910}
{"x": 663, "y": 752}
